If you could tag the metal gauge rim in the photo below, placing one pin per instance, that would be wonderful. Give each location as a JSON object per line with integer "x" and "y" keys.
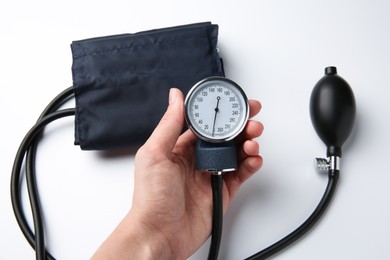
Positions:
{"x": 216, "y": 139}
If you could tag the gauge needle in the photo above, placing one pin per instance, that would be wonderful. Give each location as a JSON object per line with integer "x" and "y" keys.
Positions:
{"x": 215, "y": 115}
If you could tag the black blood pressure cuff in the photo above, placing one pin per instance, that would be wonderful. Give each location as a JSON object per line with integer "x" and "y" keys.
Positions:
{"x": 122, "y": 82}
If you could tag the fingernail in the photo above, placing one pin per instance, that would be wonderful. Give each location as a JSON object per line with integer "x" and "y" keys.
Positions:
{"x": 172, "y": 96}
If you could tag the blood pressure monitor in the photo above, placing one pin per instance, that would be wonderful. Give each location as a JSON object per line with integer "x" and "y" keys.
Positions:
{"x": 216, "y": 109}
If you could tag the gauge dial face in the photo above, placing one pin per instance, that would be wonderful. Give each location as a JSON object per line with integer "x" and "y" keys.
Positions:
{"x": 216, "y": 109}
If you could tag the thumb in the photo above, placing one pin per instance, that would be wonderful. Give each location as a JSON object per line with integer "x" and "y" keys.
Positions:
{"x": 165, "y": 135}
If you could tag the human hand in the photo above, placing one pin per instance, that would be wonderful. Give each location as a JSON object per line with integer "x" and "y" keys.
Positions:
{"x": 171, "y": 213}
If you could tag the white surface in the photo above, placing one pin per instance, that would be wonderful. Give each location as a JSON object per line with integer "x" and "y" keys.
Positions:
{"x": 277, "y": 51}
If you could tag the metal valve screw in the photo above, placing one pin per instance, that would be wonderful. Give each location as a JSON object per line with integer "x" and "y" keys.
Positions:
{"x": 332, "y": 163}
{"x": 321, "y": 164}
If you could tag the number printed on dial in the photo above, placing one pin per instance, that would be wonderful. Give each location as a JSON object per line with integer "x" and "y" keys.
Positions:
{"x": 217, "y": 110}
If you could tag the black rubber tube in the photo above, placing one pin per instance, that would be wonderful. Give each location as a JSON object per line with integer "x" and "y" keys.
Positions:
{"x": 40, "y": 249}
{"x": 309, "y": 223}
{"x": 217, "y": 222}
{"x": 16, "y": 170}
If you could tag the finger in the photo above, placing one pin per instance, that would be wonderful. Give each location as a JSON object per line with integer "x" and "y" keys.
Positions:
{"x": 253, "y": 129}
{"x": 187, "y": 138}
{"x": 246, "y": 169}
{"x": 254, "y": 107}
{"x": 248, "y": 148}
{"x": 165, "y": 135}
{"x": 185, "y": 145}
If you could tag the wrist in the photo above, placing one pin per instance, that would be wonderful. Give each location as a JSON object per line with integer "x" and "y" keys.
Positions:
{"x": 132, "y": 239}
{"x": 149, "y": 240}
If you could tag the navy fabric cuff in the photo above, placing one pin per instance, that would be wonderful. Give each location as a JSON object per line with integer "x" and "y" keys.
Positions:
{"x": 122, "y": 82}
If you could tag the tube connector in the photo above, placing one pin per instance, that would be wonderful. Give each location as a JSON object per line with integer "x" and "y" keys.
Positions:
{"x": 332, "y": 163}
{"x": 215, "y": 157}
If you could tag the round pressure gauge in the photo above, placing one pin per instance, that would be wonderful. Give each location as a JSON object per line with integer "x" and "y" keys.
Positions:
{"x": 216, "y": 109}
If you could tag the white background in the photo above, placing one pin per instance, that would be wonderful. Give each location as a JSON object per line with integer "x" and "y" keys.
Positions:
{"x": 276, "y": 50}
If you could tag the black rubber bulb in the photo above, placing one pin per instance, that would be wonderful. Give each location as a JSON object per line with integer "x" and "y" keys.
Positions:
{"x": 332, "y": 110}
